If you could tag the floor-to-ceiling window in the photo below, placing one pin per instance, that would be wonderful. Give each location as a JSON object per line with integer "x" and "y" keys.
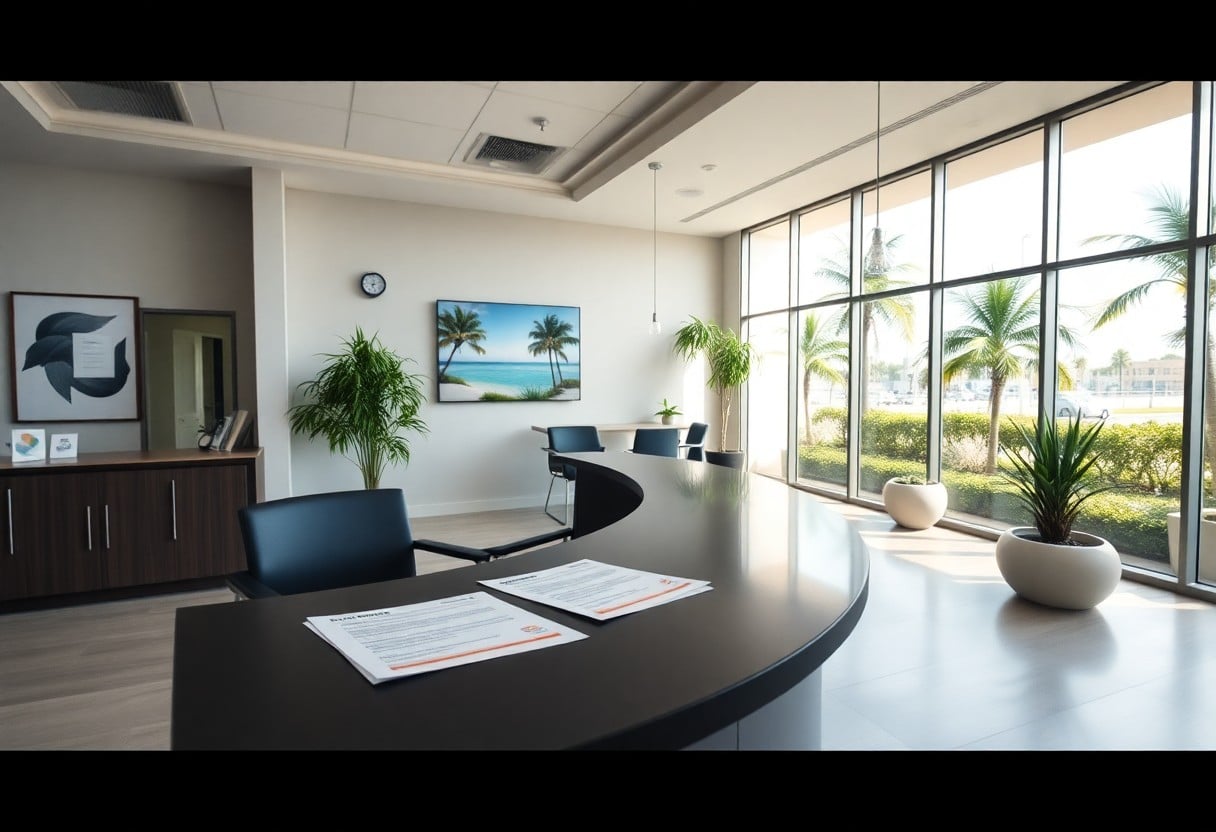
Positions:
{"x": 983, "y": 246}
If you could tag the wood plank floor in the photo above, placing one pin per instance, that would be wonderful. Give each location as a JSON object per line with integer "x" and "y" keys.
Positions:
{"x": 945, "y": 657}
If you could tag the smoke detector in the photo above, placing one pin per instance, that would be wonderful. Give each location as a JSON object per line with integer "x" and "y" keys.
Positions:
{"x": 511, "y": 155}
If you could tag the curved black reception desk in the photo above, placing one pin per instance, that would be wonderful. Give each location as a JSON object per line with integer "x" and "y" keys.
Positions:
{"x": 735, "y": 667}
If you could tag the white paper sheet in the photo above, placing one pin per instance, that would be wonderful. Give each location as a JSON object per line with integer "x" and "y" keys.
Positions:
{"x": 401, "y": 641}
{"x": 598, "y": 590}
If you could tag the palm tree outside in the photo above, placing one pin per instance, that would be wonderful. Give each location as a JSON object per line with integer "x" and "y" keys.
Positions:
{"x": 821, "y": 358}
{"x": 1170, "y": 215}
{"x": 1001, "y": 339}
{"x": 458, "y": 327}
{"x": 1120, "y": 360}
{"x": 897, "y": 311}
{"x": 551, "y": 337}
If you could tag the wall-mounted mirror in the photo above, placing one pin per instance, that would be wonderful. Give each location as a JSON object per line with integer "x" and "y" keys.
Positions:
{"x": 189, "y": 374}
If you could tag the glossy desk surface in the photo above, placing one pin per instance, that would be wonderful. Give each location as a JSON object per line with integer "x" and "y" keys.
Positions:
{"x": 790, "y": 580}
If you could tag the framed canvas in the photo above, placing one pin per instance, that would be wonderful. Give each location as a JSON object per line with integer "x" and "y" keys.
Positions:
{"x": 74, "y": 357}
{"x": 507, "y": 352}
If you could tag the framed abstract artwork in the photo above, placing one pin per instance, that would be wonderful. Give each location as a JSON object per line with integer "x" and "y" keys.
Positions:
{"x": 507, "y": 352}
{"x": 74, "y": 357}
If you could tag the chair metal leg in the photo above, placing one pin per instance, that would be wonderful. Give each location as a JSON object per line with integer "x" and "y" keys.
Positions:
{"x": 566, "y": 520}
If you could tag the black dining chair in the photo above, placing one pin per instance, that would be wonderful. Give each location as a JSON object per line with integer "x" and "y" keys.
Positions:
{"x": 568, "y": 439}
{"x": 657, "y": 441}
{"x": 693, "y": 445}
{"x": 338, "y": 539}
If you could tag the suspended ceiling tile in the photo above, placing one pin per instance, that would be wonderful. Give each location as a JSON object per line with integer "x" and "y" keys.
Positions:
{"x": 319, "y": 93}
{"x": 402, "y": 139}
{"x": 442, "y": 103}
{"x": 201, "y": 104}
{"x": 603, "y": 96}
{"x": 606, "y": 131}
{"x": 273, "y": 118}
{"x": 510, "y": 115}
{"x": 645, "y": 98}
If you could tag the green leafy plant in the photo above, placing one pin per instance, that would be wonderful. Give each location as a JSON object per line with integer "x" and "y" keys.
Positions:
{"x": 668, "y": 410}
{"x": 361, "y": 401}
{"x": 730, "y": 361}
{"x": 1052, "y": 474}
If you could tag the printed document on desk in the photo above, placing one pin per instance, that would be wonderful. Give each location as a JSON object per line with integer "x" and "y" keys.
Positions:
{"x": 598, "y": 590}
{"x": 417, "y": 638}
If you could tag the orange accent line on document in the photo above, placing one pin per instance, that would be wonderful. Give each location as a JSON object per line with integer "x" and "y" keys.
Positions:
{"x": 640, "y": 600}
{"x": 472, "y": 652}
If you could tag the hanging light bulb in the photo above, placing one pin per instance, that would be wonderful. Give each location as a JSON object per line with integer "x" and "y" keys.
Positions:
{"x": 876, "y": 262}
{"x": 655, "y": 326}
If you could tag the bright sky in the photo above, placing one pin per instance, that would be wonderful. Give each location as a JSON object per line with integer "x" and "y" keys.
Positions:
{"x": 507, "y": 326}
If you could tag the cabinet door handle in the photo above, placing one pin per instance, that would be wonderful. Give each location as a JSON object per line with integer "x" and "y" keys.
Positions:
{"x": 173, "y": 500}
{"x": 11, "y": 549}
{"x": 88, "y": 524}
{"x": 107, "y": 511}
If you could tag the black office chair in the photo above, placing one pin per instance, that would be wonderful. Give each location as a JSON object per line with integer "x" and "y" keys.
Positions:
{"x": 568, "y": 439}
{"x": 694, "y": 441}
{"x": 657, "y": 441}
{"x": 340, "y": 538}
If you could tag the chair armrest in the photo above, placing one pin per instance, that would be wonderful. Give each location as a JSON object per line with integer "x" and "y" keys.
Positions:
{"x": 529, "y": 542}
{"x": 244, "y": 585}
{"x": 454, "y": 550}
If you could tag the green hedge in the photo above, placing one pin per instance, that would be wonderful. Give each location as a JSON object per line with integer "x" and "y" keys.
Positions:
{"x": 1133, "y": 522}
{"x": 1145, "y": 456}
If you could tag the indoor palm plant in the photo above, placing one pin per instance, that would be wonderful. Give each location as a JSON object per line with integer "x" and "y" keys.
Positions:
{"x": 730, "y": 360}
{"x": 1052, "y": 563}
{"x": 362, "y": 401}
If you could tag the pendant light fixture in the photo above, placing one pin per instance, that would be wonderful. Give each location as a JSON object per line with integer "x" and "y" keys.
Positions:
{"x": 655, "y": 326}
{"x": 876, "y": 258}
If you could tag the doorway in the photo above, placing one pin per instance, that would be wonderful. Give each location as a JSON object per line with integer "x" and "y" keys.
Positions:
{"x": 189, "y": 375}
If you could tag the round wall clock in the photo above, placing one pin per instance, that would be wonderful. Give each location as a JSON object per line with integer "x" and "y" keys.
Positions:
{"x": 373, "y": 284}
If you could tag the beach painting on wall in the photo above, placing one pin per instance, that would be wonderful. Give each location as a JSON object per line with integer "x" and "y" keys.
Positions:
{"x": 507, "y": 352}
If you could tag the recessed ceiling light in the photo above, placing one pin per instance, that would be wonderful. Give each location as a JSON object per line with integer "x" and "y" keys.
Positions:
{"x": 690, "y": 192}
{"x": 708, "y": 168}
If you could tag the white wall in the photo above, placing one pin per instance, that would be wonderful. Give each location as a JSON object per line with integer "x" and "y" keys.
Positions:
{"x": 172, "y": 244}
{"x": 484, "y": 456}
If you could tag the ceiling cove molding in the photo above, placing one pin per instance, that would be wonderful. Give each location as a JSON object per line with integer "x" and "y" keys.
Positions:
{"x": 685, "y": 107}
{"x": 58, "y": 119}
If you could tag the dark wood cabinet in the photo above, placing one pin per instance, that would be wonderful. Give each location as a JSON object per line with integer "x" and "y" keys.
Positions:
{"x": 108, "y": 521}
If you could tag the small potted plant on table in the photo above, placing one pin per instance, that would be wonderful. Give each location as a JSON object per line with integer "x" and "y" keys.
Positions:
{"x": 668, "y": 412}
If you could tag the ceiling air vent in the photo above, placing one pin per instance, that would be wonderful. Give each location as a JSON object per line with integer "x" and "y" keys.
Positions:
{"x": 513, "y": 155}
{"x": 145, "y": 99}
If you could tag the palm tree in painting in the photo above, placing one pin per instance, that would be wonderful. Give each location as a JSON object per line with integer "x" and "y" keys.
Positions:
{"x": 457, "y": 328}
{"x": 897, "y": 311}
{"x": 1001, "y": 338}
{"x": 551, "y": 337}
{"x": 1170, "y": 215}
{"x": 821, "y": 358}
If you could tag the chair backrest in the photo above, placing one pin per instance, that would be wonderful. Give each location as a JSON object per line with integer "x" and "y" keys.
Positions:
{"x": 694, "y": 440}
{"x": 571, "y": 439}
{"x": 574, "y": 438}
{"x": 657, "y": 441}
{"x": 323, "y": 541}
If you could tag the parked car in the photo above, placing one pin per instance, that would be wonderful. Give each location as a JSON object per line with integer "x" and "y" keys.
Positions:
{"x": 1071, "y": 402}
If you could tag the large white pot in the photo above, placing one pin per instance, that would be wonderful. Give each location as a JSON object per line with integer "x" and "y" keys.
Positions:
{"x": 914, "y": 506}
{"x": 1069, "y": 577}
{"x": 1207, "y": 542}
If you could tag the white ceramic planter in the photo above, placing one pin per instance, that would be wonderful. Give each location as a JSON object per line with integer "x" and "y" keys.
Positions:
{"x": 1207, "y": 542}
{"x": 1069, "y": 577}
{"x": 914, "y": 506}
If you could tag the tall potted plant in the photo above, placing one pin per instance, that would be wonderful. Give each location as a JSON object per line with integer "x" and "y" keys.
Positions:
{"x": 1050, "y": 562}
{"x": 730, "y": 360}
{"x": 362, "y": 401}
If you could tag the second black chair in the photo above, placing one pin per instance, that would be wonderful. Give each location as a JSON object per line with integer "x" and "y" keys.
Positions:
{"x": 694, "y": 441}
{"x": 341, "y": 538}
{"x": 568, "y": 439}
{"x": 657, "y": 441}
